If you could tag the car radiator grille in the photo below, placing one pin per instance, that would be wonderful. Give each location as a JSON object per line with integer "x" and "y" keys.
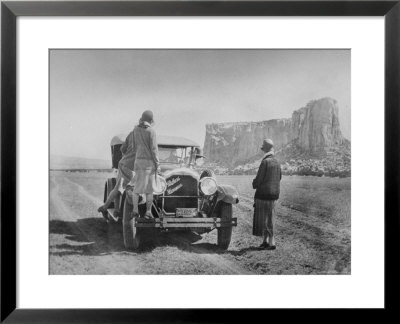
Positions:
{"x": 180, "y": 185}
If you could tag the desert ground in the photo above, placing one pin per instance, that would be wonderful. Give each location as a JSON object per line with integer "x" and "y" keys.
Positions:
{"x": 312, "y": 233}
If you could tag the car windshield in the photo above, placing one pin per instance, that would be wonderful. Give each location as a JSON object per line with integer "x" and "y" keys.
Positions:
{"x": 174, "y": 155}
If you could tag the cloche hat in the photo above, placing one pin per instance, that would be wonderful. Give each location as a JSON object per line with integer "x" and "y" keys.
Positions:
{"x": 147, "y": 116}
{"x": 267, "y": 143}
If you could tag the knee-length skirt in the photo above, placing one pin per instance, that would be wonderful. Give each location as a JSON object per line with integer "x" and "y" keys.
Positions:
{"x": 263, "y": 209}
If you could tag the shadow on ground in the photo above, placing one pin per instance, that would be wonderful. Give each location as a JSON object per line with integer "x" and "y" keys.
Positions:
{"x": 94, "y": 236}
{"x": 206, "y": 248}
{"x": 86, "y": 236}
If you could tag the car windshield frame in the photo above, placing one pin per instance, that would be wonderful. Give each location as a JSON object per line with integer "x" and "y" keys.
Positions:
{"x": 188, "y": 151}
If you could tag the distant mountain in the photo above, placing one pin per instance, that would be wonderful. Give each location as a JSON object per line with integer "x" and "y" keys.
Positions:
{"x": 310, "y": 142}
{"x": 67, "y": 162}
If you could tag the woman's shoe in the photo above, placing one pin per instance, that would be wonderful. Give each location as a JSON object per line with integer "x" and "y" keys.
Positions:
{"x": 271, "y": 247}
{"x": 148, "y": 215}
{"x": 103, "y": 211}
{"x": 264, "y": 245}
{"x": 134, "y": 214}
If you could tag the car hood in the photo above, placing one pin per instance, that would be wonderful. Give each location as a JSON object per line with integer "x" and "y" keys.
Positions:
{"x": 180, "y": 171}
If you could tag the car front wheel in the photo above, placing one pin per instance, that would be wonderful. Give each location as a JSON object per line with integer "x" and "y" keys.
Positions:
{"x": 130, "y": 232}
{"x": 225, "y": 233}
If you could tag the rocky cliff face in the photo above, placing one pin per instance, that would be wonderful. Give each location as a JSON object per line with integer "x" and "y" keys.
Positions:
{"x": 316, "y": 126}
{"x": 312, "y": 130}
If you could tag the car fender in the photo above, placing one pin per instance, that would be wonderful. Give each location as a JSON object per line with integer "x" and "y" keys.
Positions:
{"x": 228, "y": 194}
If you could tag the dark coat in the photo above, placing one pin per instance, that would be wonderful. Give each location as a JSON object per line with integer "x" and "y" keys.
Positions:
{"x": 128, "y": 152}
{"x": 267, "y": 181}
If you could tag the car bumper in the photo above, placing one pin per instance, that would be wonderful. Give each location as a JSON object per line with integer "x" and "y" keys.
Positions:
{"x": 189, "y": 222}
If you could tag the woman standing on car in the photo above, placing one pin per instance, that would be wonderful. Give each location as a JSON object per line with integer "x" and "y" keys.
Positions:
{"x": 125, "y": 175}
{"x": 146, "y": 163}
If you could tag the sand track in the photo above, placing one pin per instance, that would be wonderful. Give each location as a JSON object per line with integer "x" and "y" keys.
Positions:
{"x": 311, "y": 238}
{"x": 95, "y": 238}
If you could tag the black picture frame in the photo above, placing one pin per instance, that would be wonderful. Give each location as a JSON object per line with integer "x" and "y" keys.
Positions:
{"x": 10, "y": 10}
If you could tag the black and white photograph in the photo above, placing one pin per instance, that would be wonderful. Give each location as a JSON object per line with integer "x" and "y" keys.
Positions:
{"x": 200, "y": 161}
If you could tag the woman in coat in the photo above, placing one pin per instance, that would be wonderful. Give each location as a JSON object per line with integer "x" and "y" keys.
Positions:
{"x": 267, "y": 185}
{"x": 146, "y": 163}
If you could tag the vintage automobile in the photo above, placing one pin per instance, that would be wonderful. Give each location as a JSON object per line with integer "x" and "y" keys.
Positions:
{"x": 187, "y": 200}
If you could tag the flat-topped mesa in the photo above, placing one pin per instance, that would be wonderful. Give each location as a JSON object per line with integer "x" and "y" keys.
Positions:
{"x": 233, "y": 143}
{"x": 317, "y": 126}
{"x": 313, "y": 129}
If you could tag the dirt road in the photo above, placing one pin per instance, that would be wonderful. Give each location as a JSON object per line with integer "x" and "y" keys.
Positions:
{"x": 312, "y": 237}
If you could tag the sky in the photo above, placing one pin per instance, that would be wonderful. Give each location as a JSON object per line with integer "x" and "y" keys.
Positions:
{"x": 96, "y": 94}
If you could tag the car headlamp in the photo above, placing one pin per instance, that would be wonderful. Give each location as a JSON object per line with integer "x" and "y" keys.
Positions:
{"x": 208, "y": 186}
{"x": 160, "y": 185}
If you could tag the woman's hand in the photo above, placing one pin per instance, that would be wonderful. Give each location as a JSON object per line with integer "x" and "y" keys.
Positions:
{"x": 254, "y": 184}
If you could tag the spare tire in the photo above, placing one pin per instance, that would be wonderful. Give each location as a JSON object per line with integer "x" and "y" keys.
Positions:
{"x": 109, "y": 186}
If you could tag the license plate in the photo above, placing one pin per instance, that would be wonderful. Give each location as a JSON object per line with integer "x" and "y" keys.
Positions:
{"x": 186, "y": 212}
